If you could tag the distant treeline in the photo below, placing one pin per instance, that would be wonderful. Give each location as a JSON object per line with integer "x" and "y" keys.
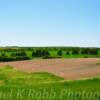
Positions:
{"x": 26, "y": 53}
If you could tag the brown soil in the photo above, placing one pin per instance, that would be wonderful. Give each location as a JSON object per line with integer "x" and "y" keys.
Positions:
{"x": 67, "y": 68}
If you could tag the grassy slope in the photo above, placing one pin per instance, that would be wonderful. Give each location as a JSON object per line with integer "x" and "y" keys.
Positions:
{"x": 17, "y": 85}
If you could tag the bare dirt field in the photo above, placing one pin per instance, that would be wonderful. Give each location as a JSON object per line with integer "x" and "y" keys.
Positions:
{"x": 67, "y": 68}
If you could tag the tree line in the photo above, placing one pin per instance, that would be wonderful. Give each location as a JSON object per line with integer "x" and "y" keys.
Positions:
{"x": 21, "y": 53}
{"x": 14, "y": 57}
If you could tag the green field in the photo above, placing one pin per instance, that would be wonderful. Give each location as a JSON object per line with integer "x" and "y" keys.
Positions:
{"x": 17, "y": 85}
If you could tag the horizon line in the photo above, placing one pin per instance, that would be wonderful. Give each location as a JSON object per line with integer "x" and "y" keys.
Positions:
{"x": 49, "y": 46}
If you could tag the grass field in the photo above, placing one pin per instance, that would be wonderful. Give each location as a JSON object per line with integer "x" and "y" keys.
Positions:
{"x": 17, "y": 85}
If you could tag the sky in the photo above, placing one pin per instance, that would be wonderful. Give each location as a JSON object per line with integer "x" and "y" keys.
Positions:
{"x": 50, "y": 23}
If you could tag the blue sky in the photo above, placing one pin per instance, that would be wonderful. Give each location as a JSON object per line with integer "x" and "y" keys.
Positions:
{"x": 50, "y": 22}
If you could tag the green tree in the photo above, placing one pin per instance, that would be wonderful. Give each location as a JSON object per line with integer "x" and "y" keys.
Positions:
{"x": 59, "y": 53}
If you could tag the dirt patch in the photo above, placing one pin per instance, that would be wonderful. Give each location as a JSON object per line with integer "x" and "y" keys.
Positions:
{"x": 67, "y": 68}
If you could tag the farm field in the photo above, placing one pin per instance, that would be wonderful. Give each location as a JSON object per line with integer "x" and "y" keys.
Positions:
{"x": 67, "y": 68}
{"x": 19, "y": 85}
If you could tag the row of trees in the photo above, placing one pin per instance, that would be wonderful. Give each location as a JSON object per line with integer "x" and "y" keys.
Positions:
{"x": 17, "y": 56}
{"x": 45, "y": 53}
{"x": 22, "y": 55}
{"x": 77, "y": 52}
